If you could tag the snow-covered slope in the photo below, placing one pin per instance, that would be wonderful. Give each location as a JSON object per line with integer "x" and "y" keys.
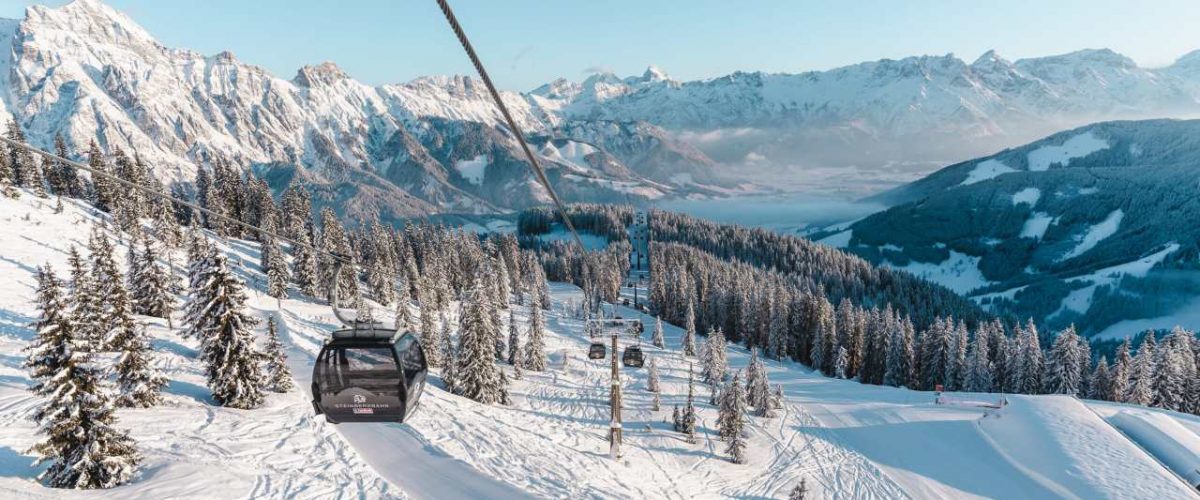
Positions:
{"x": 848, "y": 440}
{"x": 1092, "y": 226}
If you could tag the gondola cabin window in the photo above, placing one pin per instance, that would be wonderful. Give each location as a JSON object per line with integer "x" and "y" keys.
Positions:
{"x": 370, "y": 368}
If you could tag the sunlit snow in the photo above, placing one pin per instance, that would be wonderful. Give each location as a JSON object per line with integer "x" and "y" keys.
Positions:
{"x": 472, "y": 170}
{"x": 1029, "y": 195}
{"x": 1096, "y": 233}
{"x": 987, "y": 169}
{"x": 1079, "y": 146}
{"x": 1036, "y": 226}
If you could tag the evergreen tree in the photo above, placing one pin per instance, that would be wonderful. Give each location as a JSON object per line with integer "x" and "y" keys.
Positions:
{"x": 429, "y": 335}
{"x": 1173, "y": 367}
{"x": 115, "y": 322}
{"x": 216, "y": 315}
{"x": 404, "y": 316}
{"x": 76, "y": 421}
{"x": 758, "y": 387}
{"x": 448, "y": 354}
{"x": 900, "y": 361}
{"x": 1119, "y": 378}
{"x": 7, "y": 178}
{"x": 105, "y": 190}
{"x": 514, "y": 341}
{"x": 732, "y": 419}
{"x": 979, "y": 366}
{"x": 687, "y": 419}
{"x": 1101, "y": 387}
{"x": 476, "y": 375}
{"x": 66, "y": 181}
{"x": 1140, "y": 389}
{"x": 688, "y": 345}
{"x": 535, "y": 346}
{"x": 839, "y": 366}
{"x": 276, "y": 269}
{"x": 713, "y": 361}
{"x": 824, "y": 337}
{"x": 139, "y": 381}
{"x": 150, "y": 283}
{"x": 652, "y": 382}
{"x": 279, "y": 376}
{"x": 657, "y": 338}
{"x": 304, "y": 266}
{"x": 1066, "y": 356}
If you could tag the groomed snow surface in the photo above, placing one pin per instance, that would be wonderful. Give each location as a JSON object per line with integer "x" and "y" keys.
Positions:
{"x": 848, "y": 440}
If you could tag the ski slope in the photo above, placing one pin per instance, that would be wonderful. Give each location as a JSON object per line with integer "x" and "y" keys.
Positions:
{"x": 848, "y": 440}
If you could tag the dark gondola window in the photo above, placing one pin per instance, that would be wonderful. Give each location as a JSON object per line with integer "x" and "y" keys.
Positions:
{"x": 370, "y": 368}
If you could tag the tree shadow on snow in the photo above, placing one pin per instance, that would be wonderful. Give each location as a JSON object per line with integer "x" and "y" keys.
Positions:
{"x": 15, "y": 464}
{"x": 190, "y": 390}
{"x": 15, "y": 324}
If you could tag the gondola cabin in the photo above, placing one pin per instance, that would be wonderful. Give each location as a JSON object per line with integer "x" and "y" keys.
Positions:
{"x": 597, "y": 351}
{"x": 369, "y": 375}
{"x": 633, "y": 357}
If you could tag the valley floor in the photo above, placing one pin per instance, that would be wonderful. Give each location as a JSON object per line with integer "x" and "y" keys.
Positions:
{"x": 847, "y": 440}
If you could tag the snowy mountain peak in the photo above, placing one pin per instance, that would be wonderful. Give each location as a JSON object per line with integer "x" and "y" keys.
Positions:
{"x": 326, "y": 73}
{"x": 92, "y": 19}
{"x": 990, "y": 59}
{"x": 654, "y": 74}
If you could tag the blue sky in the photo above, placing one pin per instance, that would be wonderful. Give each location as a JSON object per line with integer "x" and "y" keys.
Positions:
{"x": 528, "y": 42}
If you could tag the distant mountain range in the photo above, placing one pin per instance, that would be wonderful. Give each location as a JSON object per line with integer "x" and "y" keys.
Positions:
{"x": 1094, "y": 226}
{"x": 434, "y": 144}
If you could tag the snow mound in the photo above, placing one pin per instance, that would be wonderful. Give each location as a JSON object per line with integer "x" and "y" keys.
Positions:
{"x": 1079, "y": 146}
{"x": 1164, "y": 437}
{"x": 985, "y": 170}
{"x": 1073, "y": 453}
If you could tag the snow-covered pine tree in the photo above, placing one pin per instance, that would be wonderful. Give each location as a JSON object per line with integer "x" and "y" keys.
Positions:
{"x": 1062, "y": 374}
{"x": 652, "y": 382}
{"x": 688, "y": 344}
{"x": 824, "y": 337}
{"x": 732, "y": 419}
{"x": 957, "y": 361}
{"x": 105, "y": 193}
{"x": 979, "y": 365}
{"x": 73, "y": 185}
{"x": 687, "y": 419}
{"x": 428, "y": 328}
{"x": 476, "y": 373}
{"x": 448, "y": 354}
{"x": 900, "y": 362}
{"x": 514, "y": 339}
{"x": 535, "y": 346}
{"x": 276, "y": 269}
{"x": 151, "y": 289}
{"x": 217, "y": 316}
{"x": 7, "y": 179}
{"x": 1101, "y": 387}
{"x": 1119, "y": 377}
{"x": 676, "y": 423}
{"x": 116, "y": 323}
{"x": 76, "y": 421}
{"x": 85, "y": 313}
{"x": 335, "y": 240}
{"x": 714, "y": 366}
{"x": 758, "y": 388}
{"x": 1173, "y": 370}
{"x": 840, "y": 363}
{"x": 139, "y": 381}
{"x": 657, "y": 338}
{"x": 1140, "y": 390}
{"x": 304, "y": 266}
{"x": 279, "y": 376}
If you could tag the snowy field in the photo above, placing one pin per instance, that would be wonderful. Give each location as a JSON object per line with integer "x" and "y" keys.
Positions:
{"x": 848, "y": 440}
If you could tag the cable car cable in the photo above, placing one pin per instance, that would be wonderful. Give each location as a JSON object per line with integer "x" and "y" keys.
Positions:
{"x": 512, "y": 124}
